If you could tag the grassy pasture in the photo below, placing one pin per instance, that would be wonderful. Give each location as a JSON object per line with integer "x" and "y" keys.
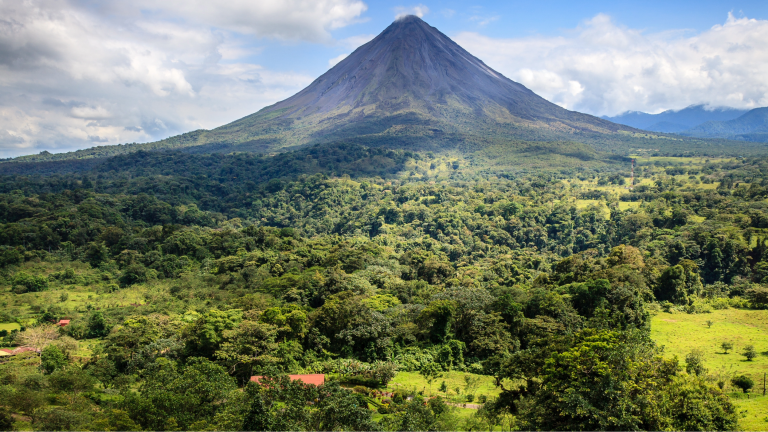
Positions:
{"x": 681, "y": 333}
{"x": 414, "y": 381}
{"x": 9, "y": 326}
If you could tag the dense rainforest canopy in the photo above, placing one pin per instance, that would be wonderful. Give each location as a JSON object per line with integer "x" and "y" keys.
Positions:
{"x": 184, "y": 275}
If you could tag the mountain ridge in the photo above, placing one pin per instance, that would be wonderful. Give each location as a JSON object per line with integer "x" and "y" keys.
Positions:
{"x": 751, "y": 126}
{"x": 674, "y": 121}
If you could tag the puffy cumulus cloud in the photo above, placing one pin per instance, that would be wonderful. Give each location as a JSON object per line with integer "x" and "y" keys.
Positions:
{"x": 285, "y": 19}
{"x": 74, "y": 75}
{"x": 403, "y": 11}
{"x": 604, "y": 68}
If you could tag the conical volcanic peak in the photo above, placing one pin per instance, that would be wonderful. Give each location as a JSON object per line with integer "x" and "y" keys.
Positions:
{"x": 412, "y": 84}
{"x": 409, "y": 58}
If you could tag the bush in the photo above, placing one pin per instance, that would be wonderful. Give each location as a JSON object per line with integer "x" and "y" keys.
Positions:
{"x": 726, "y": 346}
{"x": 743, "y": 382}
{"x": 359, "y": 381}
{"x": 749, "y": 352}
{"x": 470, "y": 397}
{"x": 133, "y": 274}
{"x": 6, "y": 419}
{"x": 482, "y": 399}
{"x": 758, "y": 297}
{"x": 56, "y": 419}
{"x": 694, "y": 363}
{"x": 52, "y": 359}
{"x": 24, "y": 283}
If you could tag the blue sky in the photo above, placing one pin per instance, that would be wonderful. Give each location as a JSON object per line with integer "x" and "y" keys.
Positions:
{"x": 79, "y": 73}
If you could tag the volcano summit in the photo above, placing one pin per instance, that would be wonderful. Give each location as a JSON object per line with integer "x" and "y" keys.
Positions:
{"x": 409, "y": 86}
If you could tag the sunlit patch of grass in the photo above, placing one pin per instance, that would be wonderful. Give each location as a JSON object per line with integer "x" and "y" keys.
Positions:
{"x": 626, "y": 205}
{"x": 681, "y": 333}
{"x": 753, "y": 410}
{"x": 413, "y": 381}
{"x": 9, "y": 326}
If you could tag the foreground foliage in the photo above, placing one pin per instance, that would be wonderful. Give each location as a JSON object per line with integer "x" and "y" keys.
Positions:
{"x": 182, "y": 277}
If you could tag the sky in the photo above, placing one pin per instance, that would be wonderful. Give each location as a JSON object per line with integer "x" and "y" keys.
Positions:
{"x": 82, "y": 73}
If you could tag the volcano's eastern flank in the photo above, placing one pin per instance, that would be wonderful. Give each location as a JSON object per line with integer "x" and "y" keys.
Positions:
{"x": 409, "y": 85}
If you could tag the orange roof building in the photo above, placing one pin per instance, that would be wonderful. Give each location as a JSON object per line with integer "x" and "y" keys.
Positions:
{"x": 62, "y": 323}
{"x": 313, "y": 379}
{"x": 14, "y": 351}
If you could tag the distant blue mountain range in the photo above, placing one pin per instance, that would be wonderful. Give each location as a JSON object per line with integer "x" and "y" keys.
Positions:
{"x": 702, "y": 121}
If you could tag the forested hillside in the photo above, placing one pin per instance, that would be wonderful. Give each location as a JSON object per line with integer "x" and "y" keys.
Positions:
{"x": 184, "y": 275}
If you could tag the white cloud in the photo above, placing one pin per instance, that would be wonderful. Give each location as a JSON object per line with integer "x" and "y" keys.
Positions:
{"x": 353, "y": 42}
{"x": 482, "y": 21}
{"x": 91, "y": 113}
{"x": 332, "y": 62}
{"x": 604, "y": 68}
{"x": 418, "y": 10}
{"x": 75, "y": 75}
{"x": 307, "y": 20}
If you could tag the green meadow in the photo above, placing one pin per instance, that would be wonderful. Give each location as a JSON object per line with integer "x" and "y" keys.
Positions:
{"x": 681, "y": 333}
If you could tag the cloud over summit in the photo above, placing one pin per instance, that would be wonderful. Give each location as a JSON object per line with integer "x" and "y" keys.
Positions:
{"x": 604, "y": 68}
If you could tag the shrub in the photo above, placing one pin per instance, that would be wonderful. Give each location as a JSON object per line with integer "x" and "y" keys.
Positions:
{"x": 694, "y": 364}
{"x": 359, "y": 381}
{"x": 24, "y": 283}
{"x": 726, "y": 346}
{"x": 743, "y": 382}
{"x": 52, "y": 359}
{"x": 6, "y": 419}
{"x": 758, "y": 297}
{"x": 749, "y": 352}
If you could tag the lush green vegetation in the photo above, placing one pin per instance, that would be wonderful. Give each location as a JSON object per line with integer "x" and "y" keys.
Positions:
{"x": 548, "y": 295}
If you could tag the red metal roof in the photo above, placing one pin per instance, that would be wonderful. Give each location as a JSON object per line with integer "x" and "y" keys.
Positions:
{"x": 63, "y": 322}
{"x": 314, "y": 379}
{"x": 19, "y": 350}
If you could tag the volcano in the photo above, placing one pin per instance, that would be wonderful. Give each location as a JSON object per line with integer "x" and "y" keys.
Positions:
{"x": 409, "y": 86}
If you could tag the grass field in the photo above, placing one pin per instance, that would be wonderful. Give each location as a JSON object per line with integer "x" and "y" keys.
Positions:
{"x": 681, "y": 333}
{"x": 412, "y": 381}
{"x": 9, "y": 326}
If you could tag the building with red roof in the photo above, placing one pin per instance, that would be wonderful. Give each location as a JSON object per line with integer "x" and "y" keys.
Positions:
{"x": 62, "y": 323}
{"x": 19, "y": 350}
{"x": 313, "y": 379}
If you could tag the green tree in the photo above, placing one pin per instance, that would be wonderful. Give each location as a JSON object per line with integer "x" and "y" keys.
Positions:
{"x": 179, "y": 397}
{"x": 726, "y": 346}
{"x": 672, "y": 286}
{"x": 206, "y": 334}
{"x": 743, "y": 382}
{"x": 97, "y": 326}
{"x": 443, "y": 387}
{"x": 6, "y": 419}
{"x": 430, "y": 371}
{"x": 694, "y": 363}
{"x": 52, "y": 359}
{"x": 749, "y": 352}
{"x": 113, "y": 420}
{"x": 690, "y": 403}
{"x": 248, "y": 349}
{"x": 601, "y": 380}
